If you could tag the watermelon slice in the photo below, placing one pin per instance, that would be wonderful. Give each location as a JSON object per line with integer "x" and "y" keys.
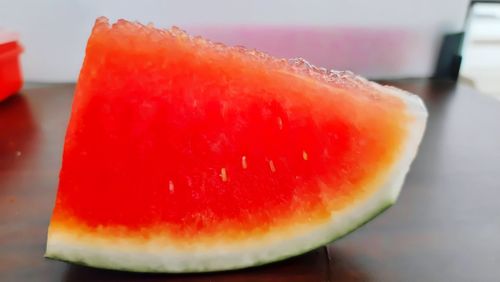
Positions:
{"x": 184, "y": 155}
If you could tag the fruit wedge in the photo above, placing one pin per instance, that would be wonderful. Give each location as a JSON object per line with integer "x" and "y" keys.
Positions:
{"x": 184, "y": 155}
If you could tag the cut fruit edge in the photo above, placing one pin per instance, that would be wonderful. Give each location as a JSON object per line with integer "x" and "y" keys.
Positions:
{"x": 87, "y": 250}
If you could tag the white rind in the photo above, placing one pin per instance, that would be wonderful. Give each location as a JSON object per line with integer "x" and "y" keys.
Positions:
{"x": 75, "y": 248}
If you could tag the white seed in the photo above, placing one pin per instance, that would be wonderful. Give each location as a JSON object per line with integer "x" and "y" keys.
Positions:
{"x": 271, "y": 166}
{"x": 223, "y": 109}
{"x": 326, "y": 153}
{"x": 170, "y": 186}
{"x": 280, "y": 123}
{"x": 223, "y": 174}
{"x": 304, "y": 155}
{"x": 244, "y": 162}
{"x": 18, "y": 153}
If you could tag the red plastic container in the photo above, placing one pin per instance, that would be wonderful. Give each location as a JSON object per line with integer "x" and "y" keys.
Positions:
{"x": 10, "y": 69}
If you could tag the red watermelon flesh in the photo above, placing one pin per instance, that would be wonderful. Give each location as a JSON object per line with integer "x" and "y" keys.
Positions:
{"x": 187, "y": 155}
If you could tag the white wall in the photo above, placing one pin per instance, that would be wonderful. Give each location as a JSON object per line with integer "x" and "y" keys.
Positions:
{"x": 54, "y": 31}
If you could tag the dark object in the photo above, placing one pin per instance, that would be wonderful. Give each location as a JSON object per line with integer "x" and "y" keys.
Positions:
{"x": 450, "y": 58}
{"x": 445, "y": 226}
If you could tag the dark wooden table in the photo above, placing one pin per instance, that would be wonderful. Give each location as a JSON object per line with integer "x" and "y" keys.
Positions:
{"x": 445, "y": 226}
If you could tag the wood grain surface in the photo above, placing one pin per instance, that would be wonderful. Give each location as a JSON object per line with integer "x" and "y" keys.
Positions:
{"x": 445, "y": 226}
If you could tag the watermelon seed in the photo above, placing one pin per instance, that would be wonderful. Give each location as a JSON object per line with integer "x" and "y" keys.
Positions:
{"x": 223, "y": 109}
{"x": 244, "y": 162}
{"x": 170, "y": 186}
{"x": 271, "y": 166}
{"x": 304, "y": 155}
{"x": 280, "y": 123}
{"x": 223, "y": 174}
{"x": 326, "y": 153}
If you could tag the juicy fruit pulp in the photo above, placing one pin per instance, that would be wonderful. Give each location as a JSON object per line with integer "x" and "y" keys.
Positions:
{"x": 195, "y": 148}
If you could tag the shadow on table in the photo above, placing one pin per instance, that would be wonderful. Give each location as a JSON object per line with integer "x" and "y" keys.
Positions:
{"x": 18, "y": 132}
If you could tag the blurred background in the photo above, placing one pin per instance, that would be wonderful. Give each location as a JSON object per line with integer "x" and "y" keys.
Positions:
{"x": 378, "y": 39}
{"x": 481, "y": 50}
{"x": 383, "y": 39}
